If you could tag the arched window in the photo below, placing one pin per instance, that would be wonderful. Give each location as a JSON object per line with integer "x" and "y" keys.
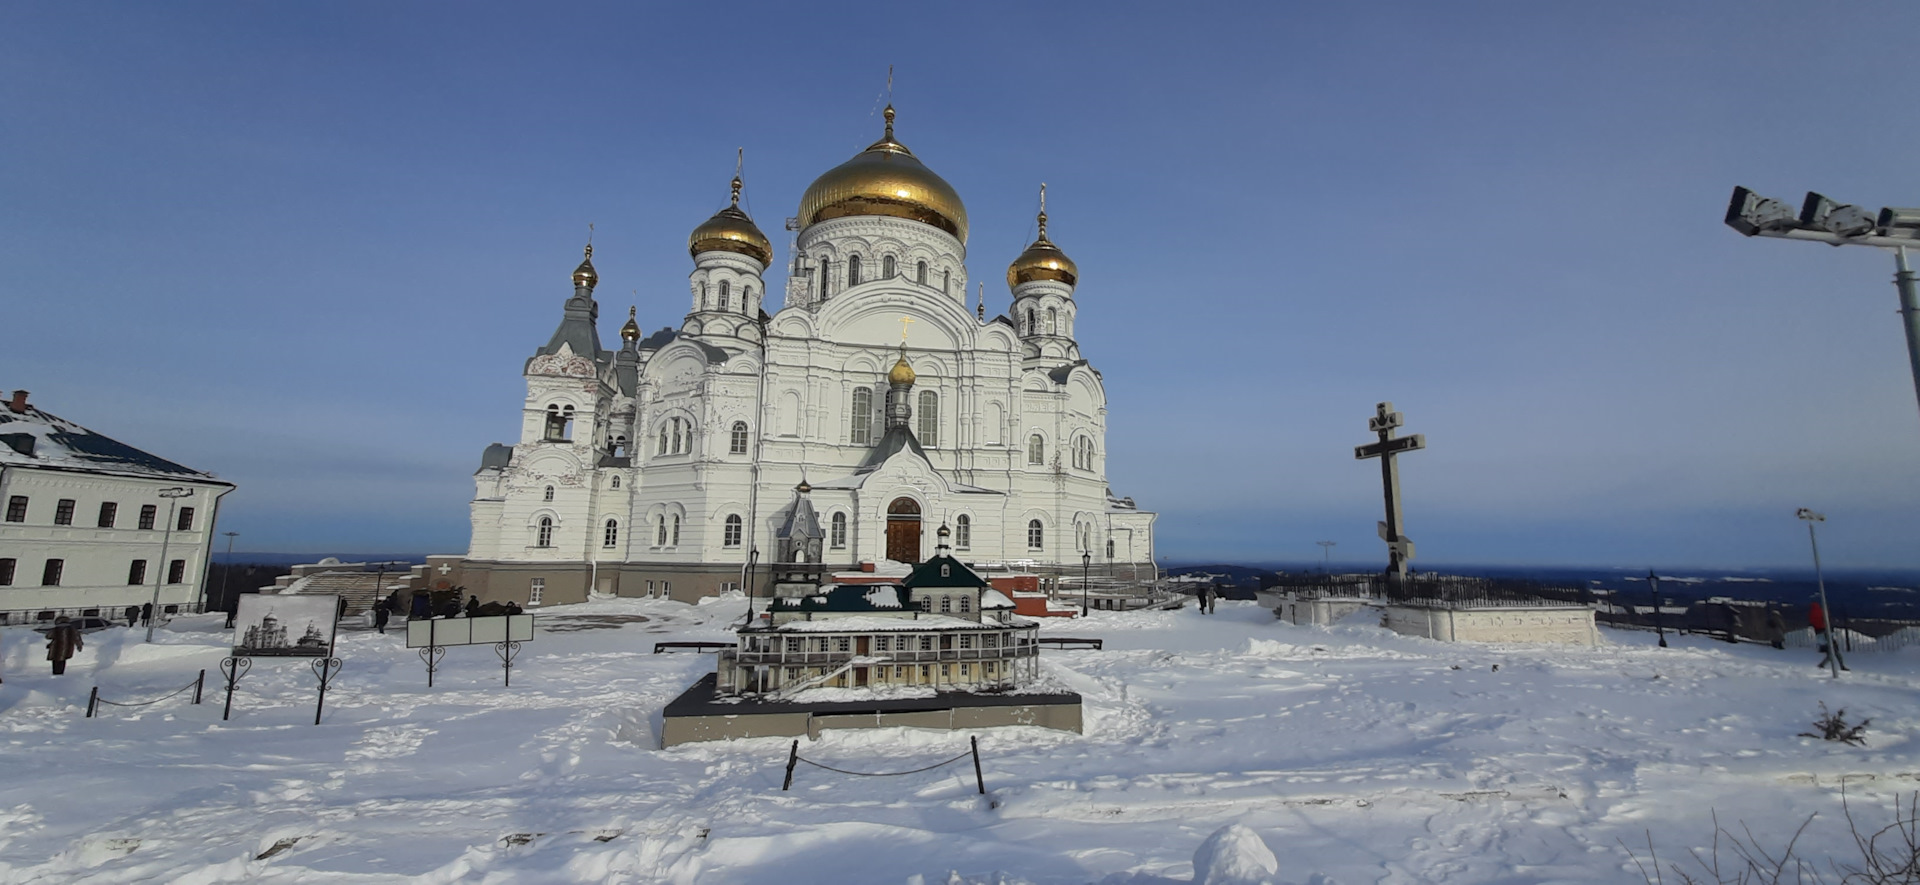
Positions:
{"x": 548, "y": 495}
{"x": 557, "y": 423}
{"x": 611, "y": 535}
{"x": 946, "y": 605}
{"x": 887, "y": 268}
{"x": 746, "y": 298}
{"x": 726, "y": 297}
{"x": 946, "y": 281}
{"x": 616, "y": 482}
{"x": 929, "y": 418}
{"x": 825, "y": 267}
{"x": 545, "y": 537}
{"x": 1082, "y": 453}
{"x": 860, "y": 417}
{"x": 920, "y": 273}
{"x": 839, "y": 536}
{"x": 1036, "y": 535}
{"x": 673, "y": 530}
{"x": 853, "y": 270}
{"x": 660, "y": 531}
{"x": 962, "y": 532}
{"x": 966, "y": 604}
{"x": 738, "y": 443}
{"x": 1053, "y": 316}
{"x": 618, "y": 447}
{"x": 731, "y": 537}
{"x": 661, "y": 449}
{"x": 1036, "y": 449}
{"x": 704, "y": 303}
{"x": 1030, "y": 322}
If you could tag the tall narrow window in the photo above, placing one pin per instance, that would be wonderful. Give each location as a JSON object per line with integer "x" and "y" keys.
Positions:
{"x": 946, "y": 282}
{"x": 137, "y": 572}
{"x": 176, "y": 571}
{"x": 6, "y": 571}
{"x": 63, "y": 512}
{"x": 545, "y": 536}
{"x": 704, "y": 303}
{"x": 1053, "y": 321}
{"x": 611, "y": 535}
{"x": 673, "y": 535}
{"x": 108, "y": 511}
{"x": 17, "y": 510}
{"x": 726, "y": 296}
{"x": 1036, "y": 535}
{"x": 738, "y": 442}
{"x": 1109, "y": 548}
{"x": 185, "y": 522}
{"x": 860, "y": 421}
{"x": 839, "y": 535}
{"x": 1036, "y": 450}
{"x": 549, "y": 494}
{"x": 746, "y": 298}
{"x": 853, "y": 270}
{"x": 962, "y": 532}
{"x": 616, "y": 482}
{"x": 147, "y": 513}
{"x": 660, "y": 531}
{"x": 929, "y": 418}
{"x": 920, "y": 273}
{"x": 536, "y": 589}
{"x": 1030, "y": 328}
{"x": 50, "y": 575}
{"x": 556, "y": 424}
{"x": 731, "y": 538}
{"x": 825, "y": 267}
{"x": 661, "y": 449}
{"x": 887, "y": 268}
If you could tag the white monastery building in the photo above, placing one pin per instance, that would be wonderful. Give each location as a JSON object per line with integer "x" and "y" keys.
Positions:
{"x": 92, "y": 523}
{"x": 669, "y": 466}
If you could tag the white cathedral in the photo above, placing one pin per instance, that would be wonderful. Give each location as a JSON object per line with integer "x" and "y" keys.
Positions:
{"x": 873, "y": 408}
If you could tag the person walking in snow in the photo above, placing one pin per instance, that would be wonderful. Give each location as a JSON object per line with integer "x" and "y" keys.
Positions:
{"x": 1776, "y": 628}
{"x": 381, "y": 611}
{"x": 1204, "y": 594}
{"x": 62, "y": 641}
{"x": 1829, "y": 649}
{"x": 133, "y": 616}
{"x": 473, "y": 605}
{"x": 146, "y": 613}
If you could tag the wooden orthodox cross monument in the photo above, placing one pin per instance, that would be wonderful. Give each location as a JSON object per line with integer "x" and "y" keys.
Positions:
{"x": 1399, "y": 547}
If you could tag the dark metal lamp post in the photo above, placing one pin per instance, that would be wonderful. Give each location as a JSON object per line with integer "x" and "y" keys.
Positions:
{"x": 1086, "y": 568}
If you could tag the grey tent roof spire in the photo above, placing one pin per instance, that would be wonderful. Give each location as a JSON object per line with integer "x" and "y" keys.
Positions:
{"x": 577, "y": 327}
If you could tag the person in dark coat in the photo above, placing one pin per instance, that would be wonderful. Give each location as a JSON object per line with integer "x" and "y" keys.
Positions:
{"x": 1776, "y": 628}
{"x": 146, "y": 613}
{"x": 340, "y": 611}
{"x": 133, "y": 616}
{"x": 62, "y": 641}
{"x": 422, "y": 607}
{"x": 473, "y": 605}
{"x": 381, "y": 612}
{"x": 513, "y": 608}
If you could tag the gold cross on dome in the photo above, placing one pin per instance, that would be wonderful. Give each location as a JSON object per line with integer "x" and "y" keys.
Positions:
{"x": 904, "y": 323}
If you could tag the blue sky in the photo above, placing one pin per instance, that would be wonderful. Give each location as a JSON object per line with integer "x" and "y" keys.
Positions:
{"x": 307, "y": 247}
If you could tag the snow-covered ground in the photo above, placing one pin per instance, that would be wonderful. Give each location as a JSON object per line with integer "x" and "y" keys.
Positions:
{"x": 1351, "y": 754}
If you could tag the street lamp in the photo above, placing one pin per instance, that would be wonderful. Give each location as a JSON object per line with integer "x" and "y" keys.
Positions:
{"x": 173, "y": 496}
{"x": 1833, "y": 652}
{"x": 1823, "y": 220}
{"x": 1086, "y": 567}
{"x": 1326, "y": 553}
{"x": 226, "y": 572}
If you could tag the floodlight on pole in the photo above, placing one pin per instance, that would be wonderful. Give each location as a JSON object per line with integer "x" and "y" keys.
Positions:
{"x": 1326, "y": 553}
{"x": 173, "y": 496}
{"x": 1824, "y": 220}
{"x": 1833, "y": 651}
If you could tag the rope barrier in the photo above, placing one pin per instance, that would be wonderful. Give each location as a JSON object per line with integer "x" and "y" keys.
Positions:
{"x": 886, "y": 773}
{"x": 94, "y": 700}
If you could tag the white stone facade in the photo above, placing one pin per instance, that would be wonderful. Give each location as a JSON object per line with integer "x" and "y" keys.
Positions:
{"x": 84, "y": 521}
{"x": 685, "y": 448}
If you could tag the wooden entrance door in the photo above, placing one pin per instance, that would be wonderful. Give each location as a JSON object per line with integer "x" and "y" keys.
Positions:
{"x": 903, "y": 530}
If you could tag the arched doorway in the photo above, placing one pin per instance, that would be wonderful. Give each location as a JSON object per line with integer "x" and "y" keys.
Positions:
{"x": 903, "y": 530}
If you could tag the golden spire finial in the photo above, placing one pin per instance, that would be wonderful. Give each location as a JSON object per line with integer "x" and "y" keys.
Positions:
{"x": 1043, "y": 210}
{"x": 888, "y": 113}
{"x": 739, "y": 161}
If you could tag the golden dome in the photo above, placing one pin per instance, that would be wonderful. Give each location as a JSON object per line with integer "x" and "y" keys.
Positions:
{"x": 585, "y": 275}
{"x": 901, "y": 373}
{"x": 630, "y": 331}
{"x": 885, "y": 179}
{"x": 1042, "y": 261}
{"x": 730, "y": 230}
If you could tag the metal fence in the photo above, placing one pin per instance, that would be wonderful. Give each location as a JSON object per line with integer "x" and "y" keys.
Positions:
{"x": 1433, "y": 589}
{"x": 113, "y": 613}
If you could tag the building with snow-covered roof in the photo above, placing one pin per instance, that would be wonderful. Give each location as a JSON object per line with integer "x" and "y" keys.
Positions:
{"x": 664, "y": 467}
{"x": 92, "y": 524}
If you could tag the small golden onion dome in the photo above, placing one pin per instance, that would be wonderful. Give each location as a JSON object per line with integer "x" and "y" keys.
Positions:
{"x": 730, "y": 230}
{"x": 630, "y": 331}
{"x": 803, "y": 487}
{"x": 901, "y": 373}
{"x": 585, "y": 275}
{"x": 1042, "y": 261}
{"x": 885, "y": 179}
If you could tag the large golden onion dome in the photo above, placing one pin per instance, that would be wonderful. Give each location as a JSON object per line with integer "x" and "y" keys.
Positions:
{"x": 901, "y": 373}
{"x": 585, "y": 275}
{"x": 1042, "y": 260}
{"x": 885, "y": 179}
{"x": 730, "y": 230}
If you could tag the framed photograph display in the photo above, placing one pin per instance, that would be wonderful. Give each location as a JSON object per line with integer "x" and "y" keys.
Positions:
{"x": 299, "y": 626}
